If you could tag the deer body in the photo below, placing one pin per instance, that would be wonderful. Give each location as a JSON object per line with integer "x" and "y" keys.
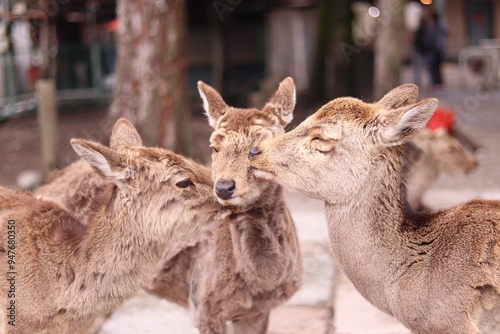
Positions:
{"x": 72, "y": 270}
{"x": 436, "y": 272}
{"x": 252, "y": 262}
{"x": 86, "y": 278}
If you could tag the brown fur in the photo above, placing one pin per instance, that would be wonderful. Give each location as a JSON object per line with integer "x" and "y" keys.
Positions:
{"x": 437, "y": 272}
{"x": 70, "y": 271}
{"x": 252, "y": 263}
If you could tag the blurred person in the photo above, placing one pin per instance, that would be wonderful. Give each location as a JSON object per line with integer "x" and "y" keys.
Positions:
{"x": 419, "y": 53}
{"x": 429, "y": 45}
{"x": 438, "y": 35}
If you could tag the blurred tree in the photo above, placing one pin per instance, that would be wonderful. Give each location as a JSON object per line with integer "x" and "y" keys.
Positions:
{"x": 323, "y": 50}
{"x": 333, "y": 66}
{"x": 220, "y": 26}
{"x": 388, "y": 46}
{"x": 345, "y": 52}
{"x": 151, "y": 81}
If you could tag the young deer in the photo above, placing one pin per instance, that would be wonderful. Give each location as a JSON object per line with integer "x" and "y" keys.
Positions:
{"x": 437, "y": 272}
{"x": 252, "y": 262}
{"x": 69, "y": 271}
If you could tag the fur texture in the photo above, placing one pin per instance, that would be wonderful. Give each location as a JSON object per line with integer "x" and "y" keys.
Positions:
{"x": 437, "y": 272}
{"x": 252, "y": 262}
{"x": 70, "y": 270}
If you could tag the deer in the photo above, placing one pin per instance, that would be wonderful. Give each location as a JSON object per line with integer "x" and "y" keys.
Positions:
{"x": 430, "y": 154}
{"x": 69, "y": 271}
{"x": 75, "y": 186}
{"x": 435, "y": 150}
{"x": 436, "y": 272}
{"x": 252, "y": 262}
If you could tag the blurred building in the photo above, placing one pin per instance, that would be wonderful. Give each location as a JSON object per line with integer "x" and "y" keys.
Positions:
{"x": 259, "y": 41}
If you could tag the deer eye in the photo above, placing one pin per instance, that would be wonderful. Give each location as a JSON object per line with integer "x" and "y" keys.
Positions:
{"x": 322, "y": 145}
{"x": 214, "y": 149}
{"x": 184, "y": 183}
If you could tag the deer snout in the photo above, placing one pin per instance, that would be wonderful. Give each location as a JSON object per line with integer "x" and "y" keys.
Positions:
{"x": 254, "y": 150}
{"x": 224, "y": 189}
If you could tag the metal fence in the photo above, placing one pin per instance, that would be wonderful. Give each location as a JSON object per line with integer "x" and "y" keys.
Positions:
{"x": 82, "y": 72}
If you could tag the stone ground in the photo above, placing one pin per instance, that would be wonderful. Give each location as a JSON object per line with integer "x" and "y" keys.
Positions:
{"x": 478, "y": 116}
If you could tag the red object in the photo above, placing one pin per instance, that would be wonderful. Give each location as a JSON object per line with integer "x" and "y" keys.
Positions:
{"x": 442, "y": 119}
{"x": 33, "y": 75}
{"x": 112, "y": 25}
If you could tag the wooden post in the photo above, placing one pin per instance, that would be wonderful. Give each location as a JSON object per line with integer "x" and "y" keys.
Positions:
{"x": 48, "y": 124}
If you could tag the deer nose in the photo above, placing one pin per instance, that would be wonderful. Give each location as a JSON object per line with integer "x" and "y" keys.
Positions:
{"x": 253, "y": 152}
{"x": 224, "y": 189}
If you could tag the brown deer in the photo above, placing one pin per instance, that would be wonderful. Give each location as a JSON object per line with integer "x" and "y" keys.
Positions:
{"x": 70, "y": 271}
{"x": 76, "y": 186}
{"x": 436, "y": 272}
{"x": 428, "y": 155}
{"x": 252, "y": 262}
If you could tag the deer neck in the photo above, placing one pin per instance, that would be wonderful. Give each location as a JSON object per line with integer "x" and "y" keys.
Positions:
{"x": 75, "y": 188}
{"x": 264, "y": 241}
{"x": 122, "y": 230}
{"x": 112, "y": 259}
{"x": 363, "y": 230}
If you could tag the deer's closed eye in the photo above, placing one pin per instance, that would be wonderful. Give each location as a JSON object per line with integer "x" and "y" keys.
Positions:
{"x": 214, "y": 149}
{"x": 184, "y": 183}
{"x": 321, "y": 144}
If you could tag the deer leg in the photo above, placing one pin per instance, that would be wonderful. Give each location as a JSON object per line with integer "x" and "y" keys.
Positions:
{"x": 256, "y": 324}
{"x": 210, "y": 323}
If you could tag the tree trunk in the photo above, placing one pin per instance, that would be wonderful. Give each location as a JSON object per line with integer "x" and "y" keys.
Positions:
{"x": 151, "y": 86}
{"x": 218, "y": 43}
{"x": 344, "y": 50}
{"x": 388, "y": 46}
{"x": 333, "y": 69}
{"x": 317, "y": 88}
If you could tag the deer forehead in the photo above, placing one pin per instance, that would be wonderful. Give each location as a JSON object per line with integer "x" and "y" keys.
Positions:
{"x": 348, "y": 110}
{"x": 240, "y": 138}
{"x": 242, "y": 120}
{"x": 159, "y": 163}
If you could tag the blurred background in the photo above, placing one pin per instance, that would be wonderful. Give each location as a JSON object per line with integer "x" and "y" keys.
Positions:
{"x": 70, "y": 68}
{"x": 74, "y": 66}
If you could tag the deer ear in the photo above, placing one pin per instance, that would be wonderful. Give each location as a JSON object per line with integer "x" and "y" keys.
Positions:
{"x": 124, "y": 134}
{"x": 282, "y": 103}
{"x": 213, "y": 103}
{"x": 106, "y": 162}
{"x": 400, "y": 96}
{"x": 402, "y": 124}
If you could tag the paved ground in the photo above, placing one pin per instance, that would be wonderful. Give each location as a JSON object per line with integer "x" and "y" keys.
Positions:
{"x": 478, "y": 117}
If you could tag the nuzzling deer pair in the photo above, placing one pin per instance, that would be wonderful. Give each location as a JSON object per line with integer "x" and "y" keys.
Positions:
{"x": 73, "y": 266}
{"x": 436, "y": 272}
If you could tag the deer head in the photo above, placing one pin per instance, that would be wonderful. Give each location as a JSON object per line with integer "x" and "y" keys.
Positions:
{"x": 236, "y": 131}
{"x": 164, "y": 194}
{"x": 332, "y": 154}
